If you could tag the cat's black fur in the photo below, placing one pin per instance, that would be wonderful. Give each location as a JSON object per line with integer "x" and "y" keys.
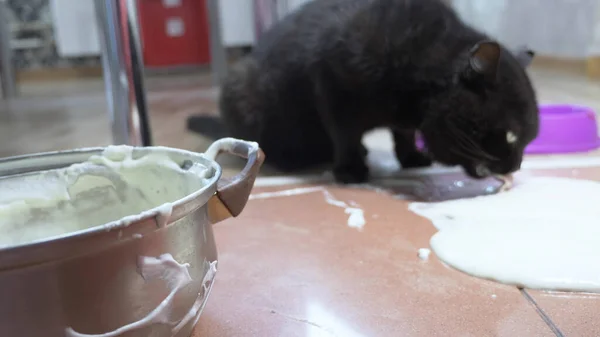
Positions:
{"x": 334, "y": 69}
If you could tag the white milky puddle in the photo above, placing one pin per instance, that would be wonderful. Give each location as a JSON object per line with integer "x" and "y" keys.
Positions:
{"x": 542, "y": 234}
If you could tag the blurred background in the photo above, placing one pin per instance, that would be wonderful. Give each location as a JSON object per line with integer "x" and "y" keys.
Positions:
{"x": 54, "y": 96}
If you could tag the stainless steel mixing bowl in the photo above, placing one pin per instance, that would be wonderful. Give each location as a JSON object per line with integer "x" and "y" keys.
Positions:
{"x": 146, "y": 278}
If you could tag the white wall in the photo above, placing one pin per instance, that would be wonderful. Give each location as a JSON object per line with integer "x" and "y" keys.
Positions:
{"x": 237, "y": 22}
{"x": 295, "y": 3}
{"x": 595, "y": 47}
{"x": 75, "y": 27}
{"x": 550, "y": 27}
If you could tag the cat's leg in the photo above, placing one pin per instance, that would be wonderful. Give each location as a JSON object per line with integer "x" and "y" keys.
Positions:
{"x": 346, "y": 136}
{"x": 349, "y": 153}
{"x": 407, "y": 153}
{"x": 349, "y": 158}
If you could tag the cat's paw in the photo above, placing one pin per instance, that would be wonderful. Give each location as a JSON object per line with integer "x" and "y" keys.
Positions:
{"x": 415, "y": 159}
{"x": 355, "y": 173}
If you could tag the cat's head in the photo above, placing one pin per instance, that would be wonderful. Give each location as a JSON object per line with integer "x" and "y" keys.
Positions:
{"x": 488, "y": 115}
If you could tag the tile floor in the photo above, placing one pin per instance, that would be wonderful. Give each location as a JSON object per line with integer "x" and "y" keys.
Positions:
{"x": 286, "y": 272}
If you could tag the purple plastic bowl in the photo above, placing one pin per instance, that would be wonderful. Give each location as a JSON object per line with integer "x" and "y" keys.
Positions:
{"x": 564, "y": 128}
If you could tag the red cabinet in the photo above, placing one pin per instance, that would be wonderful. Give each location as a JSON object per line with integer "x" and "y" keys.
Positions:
{"x": 174, "y": 32}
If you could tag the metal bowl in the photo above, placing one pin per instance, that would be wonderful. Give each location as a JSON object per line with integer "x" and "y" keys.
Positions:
{"x": 145, "y": 278}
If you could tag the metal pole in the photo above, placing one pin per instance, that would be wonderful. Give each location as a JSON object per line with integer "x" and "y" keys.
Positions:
{"x": 218, "y": 55}
{"x": 7, "y": 75}
{"x": 123, "y": 71}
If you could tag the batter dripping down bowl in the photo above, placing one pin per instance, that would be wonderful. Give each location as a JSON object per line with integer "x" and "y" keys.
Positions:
{"x": 114, "y": 241}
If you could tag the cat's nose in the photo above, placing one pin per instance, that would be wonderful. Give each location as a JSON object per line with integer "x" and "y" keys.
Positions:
{"x": 482, "y": 171}
{"x": 477, "y": 171}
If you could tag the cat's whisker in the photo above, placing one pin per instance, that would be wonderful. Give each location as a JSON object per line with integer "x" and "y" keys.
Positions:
{"x": 473, "y": 147}
{"x": 471, "y": 154}
{"x": 475, "y": 153}
{"x": 468, "y": 144}
{"x": 465, "y": 154}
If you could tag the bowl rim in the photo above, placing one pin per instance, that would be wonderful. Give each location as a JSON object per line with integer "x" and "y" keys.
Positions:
{"x": 563, "y": 148}
{"x": 574, "y": 110}
{"x": 100, "y": 236}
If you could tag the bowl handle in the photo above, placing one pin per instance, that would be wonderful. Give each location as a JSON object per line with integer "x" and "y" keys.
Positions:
{"x": 233, "y": 193}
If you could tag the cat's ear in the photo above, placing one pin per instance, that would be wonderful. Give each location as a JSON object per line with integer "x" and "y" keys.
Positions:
{"x": 524, "y": 56}
{"x": 483, "y": 61}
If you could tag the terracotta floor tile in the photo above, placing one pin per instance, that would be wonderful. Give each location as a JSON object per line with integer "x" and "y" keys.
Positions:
{"x": 291, "y": 266}
{"x": 589, "y": 173}
{"x": 572, "y": 314}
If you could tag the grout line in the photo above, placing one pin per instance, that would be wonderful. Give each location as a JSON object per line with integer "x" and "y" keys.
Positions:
{"x": 542, "y": 314}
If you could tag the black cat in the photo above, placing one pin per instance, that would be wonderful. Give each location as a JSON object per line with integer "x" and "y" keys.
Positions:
{"x": 334, "y": 69}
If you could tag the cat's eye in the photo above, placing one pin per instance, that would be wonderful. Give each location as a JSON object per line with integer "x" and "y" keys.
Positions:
{"x": 511, "y": 138}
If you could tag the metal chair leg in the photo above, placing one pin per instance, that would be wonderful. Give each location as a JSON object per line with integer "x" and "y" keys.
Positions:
{"x": 123, "y": 71}
{"x": 218, "y": 55}
{"x": 7, "y": 75}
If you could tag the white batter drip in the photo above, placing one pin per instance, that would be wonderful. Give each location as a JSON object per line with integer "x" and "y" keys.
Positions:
{"x": 424, "y": 253}
{"x": 542, "y": 234}
{"x": 103, "y": 189}
{"x": 176, "y": 276}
